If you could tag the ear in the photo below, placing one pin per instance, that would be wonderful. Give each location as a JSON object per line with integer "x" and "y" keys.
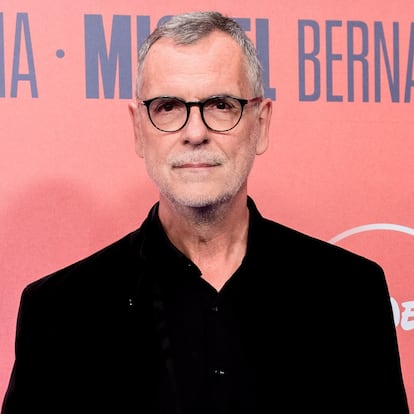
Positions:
{"x": 265, "y": 115}
{"x": 133, "y": 112}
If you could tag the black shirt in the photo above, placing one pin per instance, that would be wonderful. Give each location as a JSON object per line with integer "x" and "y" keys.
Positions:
{"x": 206, "y": 360}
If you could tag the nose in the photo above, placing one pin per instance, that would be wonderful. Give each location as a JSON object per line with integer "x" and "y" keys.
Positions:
{"x": 195, "y": 130}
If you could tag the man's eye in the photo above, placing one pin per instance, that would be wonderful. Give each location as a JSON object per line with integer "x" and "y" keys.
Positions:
{"x": 218, "y": 104}
{"x": 221, "y": 105}
{"x": 166, "y": 106}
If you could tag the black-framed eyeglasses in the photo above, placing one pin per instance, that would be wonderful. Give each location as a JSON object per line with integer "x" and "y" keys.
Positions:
{"x": 219, "y": 113}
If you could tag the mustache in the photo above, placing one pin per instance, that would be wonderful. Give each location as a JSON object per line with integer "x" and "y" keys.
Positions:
{"x": 199, "y": 157}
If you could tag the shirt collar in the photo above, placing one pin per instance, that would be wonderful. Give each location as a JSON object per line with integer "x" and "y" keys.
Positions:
{"x": 156, "y": 246}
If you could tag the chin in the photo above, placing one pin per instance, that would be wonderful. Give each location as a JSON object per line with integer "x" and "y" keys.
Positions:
{"x": 202, "y": 201}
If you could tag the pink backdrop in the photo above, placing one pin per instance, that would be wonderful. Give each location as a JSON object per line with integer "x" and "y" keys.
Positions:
{"x": 340, "y": 165}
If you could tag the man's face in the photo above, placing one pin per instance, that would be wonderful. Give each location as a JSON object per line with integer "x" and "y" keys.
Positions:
{"x": 195, "y": 166}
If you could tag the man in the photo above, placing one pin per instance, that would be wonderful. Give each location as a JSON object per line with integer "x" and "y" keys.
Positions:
{"x": 208, "y": 307}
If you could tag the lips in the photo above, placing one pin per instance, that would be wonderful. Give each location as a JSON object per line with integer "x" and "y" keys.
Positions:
{"x": 197, "y": 159}
{"x": 196, "y": 165}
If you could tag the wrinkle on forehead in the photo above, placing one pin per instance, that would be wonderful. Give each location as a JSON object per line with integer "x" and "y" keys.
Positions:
{"x": 212, "y": 65}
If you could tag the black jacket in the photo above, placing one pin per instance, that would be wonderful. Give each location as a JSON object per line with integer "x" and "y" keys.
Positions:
{"x": 317, "y": 320}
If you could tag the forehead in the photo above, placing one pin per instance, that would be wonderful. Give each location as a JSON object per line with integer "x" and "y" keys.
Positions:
{"x": 213, "y": 64}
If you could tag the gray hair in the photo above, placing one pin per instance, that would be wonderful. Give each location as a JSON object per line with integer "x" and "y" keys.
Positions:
{"x": 188, "y": 28}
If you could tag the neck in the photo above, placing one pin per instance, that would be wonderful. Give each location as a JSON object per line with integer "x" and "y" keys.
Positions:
{"x": 214, "y": 238}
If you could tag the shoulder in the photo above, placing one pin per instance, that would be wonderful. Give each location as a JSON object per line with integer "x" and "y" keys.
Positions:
{"x": 300, "y": 249}
{"x": 314, "y": 249}
{"x": 311, "y": 260}
{"x": 99, "y": 269}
